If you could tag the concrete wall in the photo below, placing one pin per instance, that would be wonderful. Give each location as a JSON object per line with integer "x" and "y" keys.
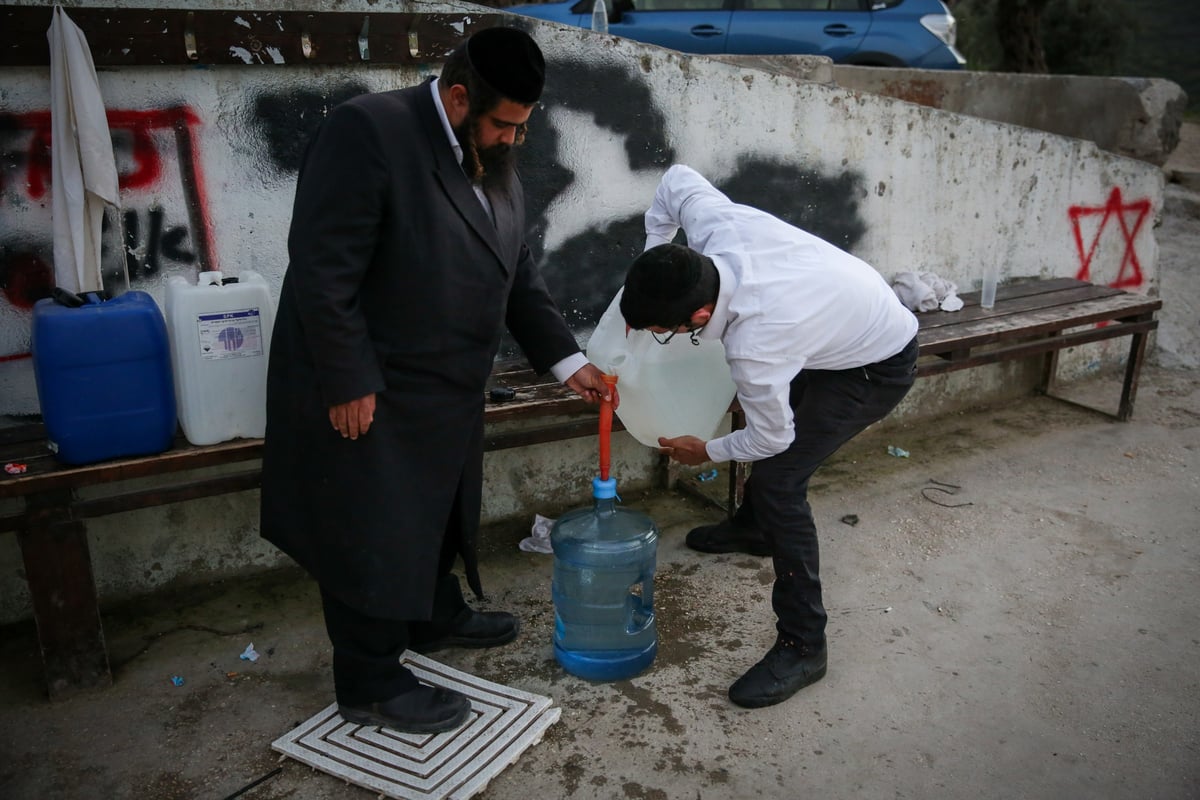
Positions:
{"x": 1135, "y": 117}
{"x": 905, "y": 187}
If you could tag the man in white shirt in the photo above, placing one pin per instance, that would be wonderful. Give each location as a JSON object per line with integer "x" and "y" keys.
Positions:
{"x": 819, "y": 347}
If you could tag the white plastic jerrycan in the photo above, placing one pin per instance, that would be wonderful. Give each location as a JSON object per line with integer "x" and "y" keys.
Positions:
{"x": 669, "y": 390}
{"x": 220, "y": 332}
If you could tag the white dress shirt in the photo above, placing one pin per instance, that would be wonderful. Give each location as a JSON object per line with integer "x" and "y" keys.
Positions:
{"x": 571, "y": 364}
{"x": 787, "y": 301}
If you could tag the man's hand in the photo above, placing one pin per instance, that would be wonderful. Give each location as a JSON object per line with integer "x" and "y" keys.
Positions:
{"x": 353, "y": 419}
{"x": 588, "y": 383}
{"x": 687, "y": 450}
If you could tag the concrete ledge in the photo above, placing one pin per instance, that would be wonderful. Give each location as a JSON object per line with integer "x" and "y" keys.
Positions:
{"x": 813, "y": 69}
{"x": 1135, "y": 117}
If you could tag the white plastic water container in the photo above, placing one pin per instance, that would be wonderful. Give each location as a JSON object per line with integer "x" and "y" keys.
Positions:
{"x": 670, "y": 390}
{"x": 220, "y": 334}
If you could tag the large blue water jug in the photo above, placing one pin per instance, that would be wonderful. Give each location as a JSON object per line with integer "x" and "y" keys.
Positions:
{"x": 103, "y": 374}
{"x": 604, "y": 588}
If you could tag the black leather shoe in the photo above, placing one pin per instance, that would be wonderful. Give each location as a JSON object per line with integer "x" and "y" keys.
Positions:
{"x": 471, "y": 628}
{"x": 727, "y": 537}
{"x": 786, "y": 669}
{"x": 425, "y": 709}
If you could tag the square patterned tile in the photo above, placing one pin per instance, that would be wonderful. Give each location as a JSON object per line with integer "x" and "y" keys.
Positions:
{"x": 457, "y": 764}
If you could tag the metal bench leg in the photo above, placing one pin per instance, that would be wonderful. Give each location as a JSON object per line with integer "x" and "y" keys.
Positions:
{"x": 1133, "y": 370}
{"x": 58, "y": 567}
{"x": 1050, "y": 372}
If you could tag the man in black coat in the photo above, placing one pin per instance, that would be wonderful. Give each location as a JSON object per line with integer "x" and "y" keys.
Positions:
{"x": 407, "y": 258}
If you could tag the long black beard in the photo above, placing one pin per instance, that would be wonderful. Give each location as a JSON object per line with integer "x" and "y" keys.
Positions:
{"x": 492, "y": 167}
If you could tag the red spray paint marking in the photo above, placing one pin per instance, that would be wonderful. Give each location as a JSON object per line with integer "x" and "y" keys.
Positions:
{"x": 27, "y": 278}
{"x": 147, "y": 160}
{"x": 138, "y": 125}
{"x": 1130, "y": 273}
{"x": 147, "y": 172}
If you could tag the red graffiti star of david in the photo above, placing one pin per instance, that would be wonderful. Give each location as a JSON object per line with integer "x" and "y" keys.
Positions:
{"x": 1130, "y": 216}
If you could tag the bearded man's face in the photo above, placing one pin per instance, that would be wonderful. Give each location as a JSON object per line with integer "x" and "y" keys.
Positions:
{"x": 488, "y": 140}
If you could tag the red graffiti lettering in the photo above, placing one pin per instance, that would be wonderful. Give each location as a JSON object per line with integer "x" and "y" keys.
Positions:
{"x": 137, "y": 126}
{"x": 1130, "y": 217}
{"x": 26, "y": 279}
{"x": 142, "y": 166}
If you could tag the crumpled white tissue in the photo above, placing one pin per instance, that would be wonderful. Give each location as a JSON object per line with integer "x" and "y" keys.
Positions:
{"x": 539, "y": 541}
{"x": 945, "y": 291}
{"x": 952, "y": 302}
{"x": 926, "y": 291}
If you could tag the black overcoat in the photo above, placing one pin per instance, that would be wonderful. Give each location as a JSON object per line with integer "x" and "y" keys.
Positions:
{"x": 398, "y": 284}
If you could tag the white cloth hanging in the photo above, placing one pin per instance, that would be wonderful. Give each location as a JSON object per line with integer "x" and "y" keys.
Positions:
{"x": 83, "y": 170}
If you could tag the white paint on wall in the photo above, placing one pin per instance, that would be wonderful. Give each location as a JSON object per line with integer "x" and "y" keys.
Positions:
{"x": 605, "y": 189}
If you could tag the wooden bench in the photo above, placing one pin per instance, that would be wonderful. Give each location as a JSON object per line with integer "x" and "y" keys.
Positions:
{"x": 1031, "y": 318}
{"x": 52, "y": 534}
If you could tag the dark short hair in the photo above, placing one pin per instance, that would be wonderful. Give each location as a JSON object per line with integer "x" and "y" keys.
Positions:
{"x": 665, "y": 285}
{"x": 497, "y": 64}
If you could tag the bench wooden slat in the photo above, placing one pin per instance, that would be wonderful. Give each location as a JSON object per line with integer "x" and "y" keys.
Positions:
{"x": 162, "y": 495}
{"x": 535, "y": 396}
{"x": 45, "y": 473}
{"x": 1010, "y": 301}
{"x": 1033, "y": 322}
{"x": 1035, "y": 347}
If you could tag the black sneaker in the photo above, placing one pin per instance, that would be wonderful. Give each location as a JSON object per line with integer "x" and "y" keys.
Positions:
{"x": 425, "y": 709}
{"x": 727, "y": 537}
{"x": 786, "y": 669}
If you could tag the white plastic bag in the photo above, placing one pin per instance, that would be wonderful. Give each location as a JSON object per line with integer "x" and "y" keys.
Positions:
{"x": 667, "y": 390}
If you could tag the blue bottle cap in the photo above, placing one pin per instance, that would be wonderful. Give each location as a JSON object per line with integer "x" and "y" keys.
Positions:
{"x": 604, "y": 489}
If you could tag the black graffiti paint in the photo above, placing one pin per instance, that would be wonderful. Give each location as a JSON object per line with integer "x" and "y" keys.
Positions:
{"x": 585, "y": 271}
{"x": 824, "y": 205}
{"x": 287, "y": 120}
{"x": 149, "y": 242}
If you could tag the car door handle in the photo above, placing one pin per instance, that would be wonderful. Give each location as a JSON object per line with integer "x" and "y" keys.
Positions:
{"x": 839, "y": 30}
{"x": 706, "y": 30}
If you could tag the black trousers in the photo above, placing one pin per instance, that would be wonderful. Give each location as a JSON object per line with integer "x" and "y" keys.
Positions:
{"x": 367, "y": 650}
{"x": 831, "y": 407}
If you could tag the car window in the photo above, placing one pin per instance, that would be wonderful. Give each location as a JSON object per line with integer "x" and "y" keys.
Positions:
{"x": 679, "y": 5}
{"x": 802, "y": 5}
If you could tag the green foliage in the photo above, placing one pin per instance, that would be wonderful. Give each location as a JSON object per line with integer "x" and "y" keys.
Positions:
{"x": 977, "y": 33}
{"x": 1080, "y": 37}
{"x": 1088, "y": 37}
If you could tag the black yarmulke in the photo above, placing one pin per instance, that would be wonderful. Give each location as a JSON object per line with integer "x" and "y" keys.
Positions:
{"x": 509, "y": 61}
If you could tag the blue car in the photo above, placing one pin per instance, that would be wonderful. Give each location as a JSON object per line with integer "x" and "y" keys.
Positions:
{"x": 888, "y": 33}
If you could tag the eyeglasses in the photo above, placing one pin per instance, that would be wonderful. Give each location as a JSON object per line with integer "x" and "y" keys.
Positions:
{"x": 692, "y": 331}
